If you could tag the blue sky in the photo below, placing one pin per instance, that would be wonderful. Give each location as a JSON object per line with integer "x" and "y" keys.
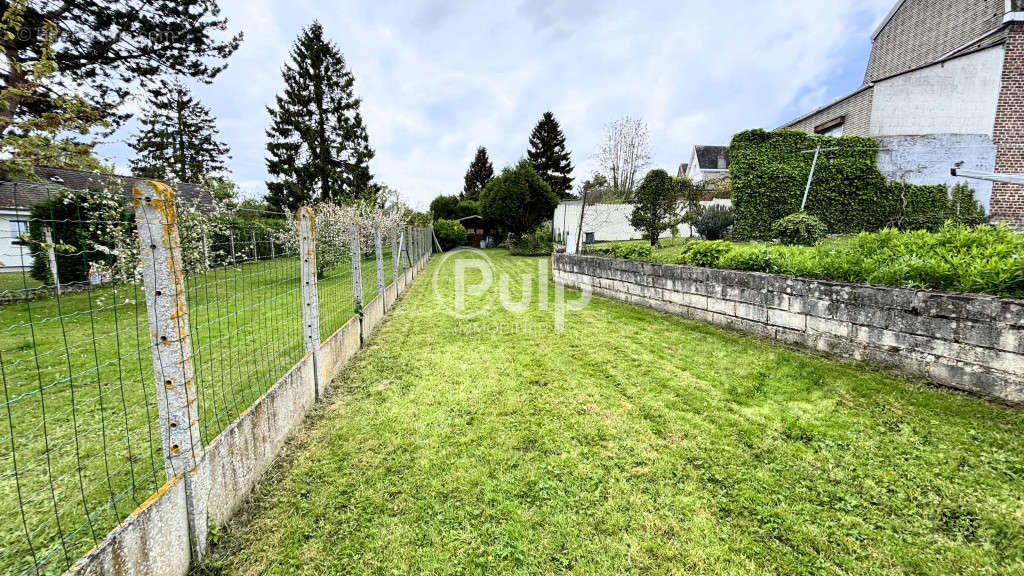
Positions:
{"x": 440, "y": 77}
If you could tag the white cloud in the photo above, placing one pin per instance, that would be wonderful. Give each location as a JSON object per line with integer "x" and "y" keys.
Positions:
{"x": 439, "y": 78}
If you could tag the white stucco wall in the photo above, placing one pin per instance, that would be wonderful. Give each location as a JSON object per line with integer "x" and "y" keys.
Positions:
{"x": 927, "y": 159}
{"x": 12, "y": 255}
{"x": 608, "y": 222}
{"x": 955, "y": 97}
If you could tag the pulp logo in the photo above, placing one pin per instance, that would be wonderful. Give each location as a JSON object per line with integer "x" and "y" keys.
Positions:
{"x": 472, "y": 291}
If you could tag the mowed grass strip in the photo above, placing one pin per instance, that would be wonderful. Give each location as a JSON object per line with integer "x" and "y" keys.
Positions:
{"x": 80, "y": 406}
{"x": 633, "y": 443}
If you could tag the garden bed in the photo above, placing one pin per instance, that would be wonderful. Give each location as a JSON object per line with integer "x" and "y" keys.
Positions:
{"x": 983, "y": 260}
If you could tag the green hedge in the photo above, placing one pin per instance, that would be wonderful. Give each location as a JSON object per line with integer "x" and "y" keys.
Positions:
{"x": 769, "y": 173}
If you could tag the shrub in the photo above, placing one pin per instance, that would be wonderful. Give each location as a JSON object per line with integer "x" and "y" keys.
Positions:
{"x": 467, "y": 208}
{"x": 449, "y": 233}
{"x": 445, "y": 207}
{"x": 536, "y": 243}
{"x": 703, "y": 253}
{"x": 963, "y": 208}
{"x": 982, "y": 259}
{"x": 655, "y": 205}
{"x": 86, "y": 227}
{"x": 769, "y": 172}
{"x": 628, "y": 251}
{"x": 800, "y": 229}
{"x": 918, "y": 207}
{"x": 518, "y": 199}
{"x": 715, "y": 222}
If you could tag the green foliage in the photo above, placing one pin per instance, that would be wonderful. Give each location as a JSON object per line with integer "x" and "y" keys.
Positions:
{"x": 317, "y": 145}
{"x": 549, "y": 156}
{"x": 848, "y": 194}
{"x": 538, "y": 242}
{"x": 703, "y": 253}
{"x": 518, "y": 199}
{"x": 444, "y": 207}
{"x": 714, "y": 222}
{"x": 104, "y": 52}
{"x": 655, "y": 205}
{"x": 918, "y": 207}
{"x": 177, "y": 138}
{"x": 98, "y": 219}
{"x": 40, "y": 123}
{"x": 964, "y": 208}
{"x": 479, "y": 173}
{"x": 634, "y": 443}
{"x": 467, "y": 208}
{"x": 627, "y": 251}
{"x": 981, "y": 259}
{"x": 450, "y": 233}
{"x": 799, "y": 229}
{"x": 769, "y": 172}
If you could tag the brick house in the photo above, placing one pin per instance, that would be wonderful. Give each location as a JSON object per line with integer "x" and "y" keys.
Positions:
{"x": 944, "y": 84}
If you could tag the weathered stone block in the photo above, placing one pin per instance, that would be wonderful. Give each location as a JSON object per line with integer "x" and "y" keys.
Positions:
{"x": 787, "y": 319}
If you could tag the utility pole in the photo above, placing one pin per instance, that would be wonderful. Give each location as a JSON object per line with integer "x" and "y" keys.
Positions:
{"x": 807, "y": 189}
{"x": 579, "y": 228}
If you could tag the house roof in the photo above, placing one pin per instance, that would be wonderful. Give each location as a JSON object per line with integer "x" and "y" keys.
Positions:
{"x": 682, "y": 170}
{"x": 711, "y": 157}
{"x": 471, "y": 217}
{"x": 23, "y": 193}
{"x": 888, "y": 17}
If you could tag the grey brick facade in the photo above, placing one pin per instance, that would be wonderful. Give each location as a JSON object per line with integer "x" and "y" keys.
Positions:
{"x": 856, "y": 108}
{"x": 920, "y": 32}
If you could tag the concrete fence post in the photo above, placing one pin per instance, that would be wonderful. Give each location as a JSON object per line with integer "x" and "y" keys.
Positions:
{"x": 357, "y": 268}
{"x": 378, "y": 245}
{"x": 310, "y": 296}
{"x": 51, "y": 253}
{"x": 231, "y": 245}
{"x": 167, "y": 312}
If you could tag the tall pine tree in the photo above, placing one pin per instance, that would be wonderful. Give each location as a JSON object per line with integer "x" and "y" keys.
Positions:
{"x": 177, "y": 140}
{"x": 480, "y": 172}
{"x": 549, "y": 157}
{"x": 317, "y": 145}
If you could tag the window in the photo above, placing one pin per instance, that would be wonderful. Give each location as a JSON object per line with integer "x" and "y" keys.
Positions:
{"x": 18, "y": 227}
{"x": 831, "y": 128}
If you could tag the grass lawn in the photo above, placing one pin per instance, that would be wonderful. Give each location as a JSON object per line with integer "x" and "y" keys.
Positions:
{"x": 634, "y": 443}
{"x": 12, "y": 282}
{"x": 79, "y": 408}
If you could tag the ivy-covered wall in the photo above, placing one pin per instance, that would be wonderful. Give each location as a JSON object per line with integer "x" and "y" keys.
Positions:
{"x": 848, "y": 193}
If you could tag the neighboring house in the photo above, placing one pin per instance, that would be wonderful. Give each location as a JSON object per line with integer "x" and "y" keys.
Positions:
{"x": 944, "y": 84}
{"x": 18, "y": 196}
{"x": 605, "y": 222}
{"x": 683, "y": 168}
{"x": 708, "y": 163}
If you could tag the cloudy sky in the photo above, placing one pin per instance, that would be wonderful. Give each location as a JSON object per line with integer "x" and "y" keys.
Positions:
{"x": 440, "y": 77}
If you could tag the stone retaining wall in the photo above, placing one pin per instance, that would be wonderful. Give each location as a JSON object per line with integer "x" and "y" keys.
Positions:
{"x": 964, "y": 341}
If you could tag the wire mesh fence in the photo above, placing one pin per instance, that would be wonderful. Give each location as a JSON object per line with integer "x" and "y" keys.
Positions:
{"x": 84, "y": 441}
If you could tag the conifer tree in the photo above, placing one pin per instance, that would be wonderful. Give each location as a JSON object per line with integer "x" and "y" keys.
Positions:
{"x": 317, "y": 145}
{"x": 480, "y": 172}
{"x": 177, "y": 140}
{"x": 549, "y": 156}
{"x": 107, "y": 50}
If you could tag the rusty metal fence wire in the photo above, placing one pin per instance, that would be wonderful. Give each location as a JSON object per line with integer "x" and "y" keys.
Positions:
{"x": 101, "y": 327}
